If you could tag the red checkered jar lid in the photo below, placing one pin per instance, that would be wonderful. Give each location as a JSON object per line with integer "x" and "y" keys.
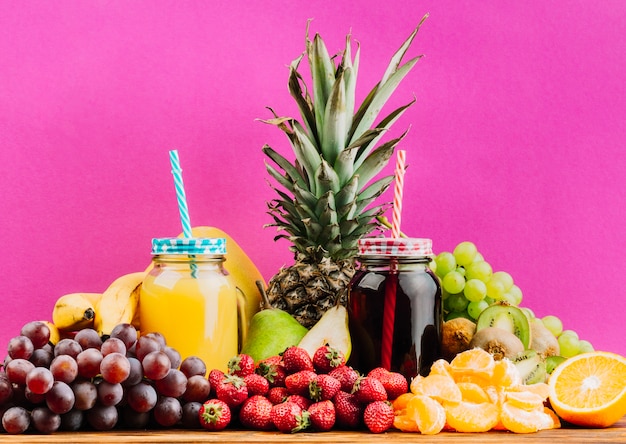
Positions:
{"x": 399, "y": 247}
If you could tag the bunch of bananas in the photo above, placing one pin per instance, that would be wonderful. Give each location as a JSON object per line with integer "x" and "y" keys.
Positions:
{"x": 118, "y": 304}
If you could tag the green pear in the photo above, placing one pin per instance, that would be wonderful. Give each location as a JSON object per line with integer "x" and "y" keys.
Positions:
{"x": 332, "y": 329}
{"x": 271, "y": 331}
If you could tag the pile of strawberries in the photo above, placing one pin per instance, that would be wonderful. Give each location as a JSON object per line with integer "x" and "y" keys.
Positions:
{"x": 295, "y": 392}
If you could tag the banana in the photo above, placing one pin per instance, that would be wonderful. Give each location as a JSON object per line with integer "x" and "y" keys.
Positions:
{"x": 74, "y": 311}
{"x": 119, "y": 303}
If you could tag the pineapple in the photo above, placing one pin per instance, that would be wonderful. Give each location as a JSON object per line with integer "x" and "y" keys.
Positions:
{"x": 328, "y": 201}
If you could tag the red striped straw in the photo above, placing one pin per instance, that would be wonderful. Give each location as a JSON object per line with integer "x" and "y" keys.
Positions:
{"x": 397, "y": 194}
{"x": 391, "y": 287}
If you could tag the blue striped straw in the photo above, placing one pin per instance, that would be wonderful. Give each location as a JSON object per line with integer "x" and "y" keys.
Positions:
{"x": 177, "y": 172}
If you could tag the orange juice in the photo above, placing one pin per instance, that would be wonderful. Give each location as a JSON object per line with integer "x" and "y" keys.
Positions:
{"x": 188, "y": 298}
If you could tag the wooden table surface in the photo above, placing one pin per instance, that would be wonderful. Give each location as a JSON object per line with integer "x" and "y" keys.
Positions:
{"x": 615, "y": 434}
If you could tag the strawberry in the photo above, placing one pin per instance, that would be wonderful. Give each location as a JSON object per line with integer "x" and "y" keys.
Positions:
{"x": 346, "y": 375}
{"x": 232, "y": 390}
{"x": 368, "y": 389}
{"x": 241, "y": 365}
{"x": 277, "y": 394}
{"x": 288, "y": 417}
{"x": 322, "y": 415}
{"x": 255, "y": 413}
{"x": 215, "y": 377}
{"x": 273, "y": 370}
{"x": 257, "y": 384}
{"x": 296, "y": 359}
{"x": 298, "y": 383}
{"x": 349, "y": 411}
{"x": 323, "y": 387}
{"x": 327, "y": 358}
{"x": 378, "y": 416}
{"x": 395, "y": 383}
{"x": 214, "y": 414}
{"x": 302, "y": 401}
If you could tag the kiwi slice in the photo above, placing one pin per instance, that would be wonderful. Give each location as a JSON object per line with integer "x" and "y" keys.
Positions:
{"x": 506, "y": 317}
{"x": 531, "y": 366}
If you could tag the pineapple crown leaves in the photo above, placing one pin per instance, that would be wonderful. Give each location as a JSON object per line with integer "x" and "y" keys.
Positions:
{"x": 330, "y": 189}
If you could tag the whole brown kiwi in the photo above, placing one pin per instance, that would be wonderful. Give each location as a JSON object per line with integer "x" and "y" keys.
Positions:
{"x": 498, "y": 342}
{"x": 456, "y": 335}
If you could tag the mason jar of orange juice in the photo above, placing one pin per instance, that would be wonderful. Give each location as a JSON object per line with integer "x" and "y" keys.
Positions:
{"x": 188, "y": 297}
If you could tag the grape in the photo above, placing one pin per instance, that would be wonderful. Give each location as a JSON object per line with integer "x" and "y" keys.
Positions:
{"x": 88, "y": 338}
{"x": 505, "y": 278}
{"x": 113, "y": 345}
{"x": 44, "y": 420}
{"x": 85, "y": 394}
{"x": 456, "y": 302}
{"x": 145, "y": 345}
{"x": 67, "y": 346}
{"x": 64, "y": 368}
{"x": 158, "y": 337}
{"x": 156, "y": 365}
{"x": 115, "y": 368}
{"x": 33, "y": 398}
{"x": 17, "y": 370}
{"x": 198, "y": 389}
{"x": 460, "y": 270}
{"x": 110, "y": 394}
{"x": 445, "y": 263}
{"x": 141, "y": 397}
{"x": 458, "y": 314}
{"x": 39, "y": 380}
{"x": 133, "y": 419}
{"x": 514, "y": 295}
{"x": 127, "y": 333}
{"x": 478, "y": 270}
{"x": 38, "y": 333}
{"x": 495, "y": 289}
{"x": 464, "y": 253}
{"x": 475, "y": 290}
{"x": 569, "y": 345}
{"x": 190, "y": 418}
{"x": 569, "y": 333}
{"x": 72, "y": 421}
{"x": 168, "y": 411}
{"x": 16, "y": 420}
{"x": 6, "y": 389}
{"x": 193, "y": 365}
{"x": 475, "y": 308}
{"x": 89, "y": 362}
{"x": 528, "y": 312}
{"x": 20, "y": 347}
{"x": 553, "y": 324}
{"x": 136, "y": 372}
{"x": 584, "y": 346}
{"x": 453, "y": 282}
{"x": 174, "y": 356}
{"x": 102, "y": 417}
{"x": 41, "y": 357}
{"x": 60, "y": 398}
{"x": 173, "y": 384}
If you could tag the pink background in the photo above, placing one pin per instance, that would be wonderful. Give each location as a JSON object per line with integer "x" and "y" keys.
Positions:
{"x": 516, "y": 139}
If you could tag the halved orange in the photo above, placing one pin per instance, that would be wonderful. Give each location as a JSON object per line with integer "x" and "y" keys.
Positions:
{"x": 589, "y": 389}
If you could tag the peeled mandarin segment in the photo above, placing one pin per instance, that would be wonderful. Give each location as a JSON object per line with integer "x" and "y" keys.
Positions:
{"x": 405, "y": 424}
{"x": 470, "y": 417}
{"x": 401, "y": 401}
{"x": 415, "y": 382}
{"x": 541, "y": 388}
{"x": 439, "y": 387}
{"x": 427, "y": 413}
{"x": 524, "y": 400}
{"x": 472, "y": 392}
{"x": 590, "y": 389}
{"x": 506, "y": 374}
{"x": 472, "y": 362}
{"x": 556, "y": 422}
{"x": 519, "y": 420}
{"x": 441, "y": 367}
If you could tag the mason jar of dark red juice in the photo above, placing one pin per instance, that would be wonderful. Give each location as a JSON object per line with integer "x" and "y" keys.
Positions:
{"x": 395, "y": 307}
